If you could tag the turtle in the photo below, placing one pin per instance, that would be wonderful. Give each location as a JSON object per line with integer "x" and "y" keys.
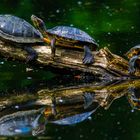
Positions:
{"x": 134, "y": 58}
{"x": 21, "y": 33}
{"x": 67, "y": 36}
{"x": 133, "y": 97}
{"x": 22, "y": 122}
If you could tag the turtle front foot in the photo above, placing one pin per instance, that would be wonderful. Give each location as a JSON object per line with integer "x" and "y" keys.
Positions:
{"x": 31, "y": 58}
{"x": 88, "y": 57}
{"x": 52, "y": 56}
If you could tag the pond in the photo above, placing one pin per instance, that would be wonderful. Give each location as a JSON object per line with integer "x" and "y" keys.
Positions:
{"x": 113, "y": 24}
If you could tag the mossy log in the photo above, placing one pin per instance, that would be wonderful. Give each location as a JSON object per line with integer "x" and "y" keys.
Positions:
{"x": 106, "y": 66}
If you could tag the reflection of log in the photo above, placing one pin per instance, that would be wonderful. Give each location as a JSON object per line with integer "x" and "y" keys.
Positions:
{"x": 72, "y": 105}
{"x": 104, "y": 95}
{"x": 107, "y": 65}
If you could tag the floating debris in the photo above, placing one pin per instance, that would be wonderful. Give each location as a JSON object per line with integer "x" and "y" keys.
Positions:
{"x": 79, "y": 3}
{"x": 57, "y": 11}
{"x": 29, "y": 78}
{"x": 29, "y": 69}
{"x": 2, "y": 62}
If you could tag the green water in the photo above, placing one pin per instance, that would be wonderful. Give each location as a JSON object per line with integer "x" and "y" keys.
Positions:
{"x": 113, "y": 24}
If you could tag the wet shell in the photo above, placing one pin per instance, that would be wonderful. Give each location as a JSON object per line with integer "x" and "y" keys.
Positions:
{"x": 72, "y": 33}
{"x": 18, "y": 30}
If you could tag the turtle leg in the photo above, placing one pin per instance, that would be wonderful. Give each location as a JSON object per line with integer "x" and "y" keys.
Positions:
{"x": 88, "y": 57}
{"x": 132, "y": 64}
{"x": 54, "y": 111}
{"x": 32, "y": 54}
{"x": 88, "y": 99}
{"x": 53, "y": 47}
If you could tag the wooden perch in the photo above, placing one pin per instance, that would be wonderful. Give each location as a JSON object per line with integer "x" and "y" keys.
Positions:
{"x": 107, "y": 65}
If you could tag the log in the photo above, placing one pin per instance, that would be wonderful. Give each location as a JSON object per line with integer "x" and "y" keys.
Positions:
{"x": 106, "y": 66}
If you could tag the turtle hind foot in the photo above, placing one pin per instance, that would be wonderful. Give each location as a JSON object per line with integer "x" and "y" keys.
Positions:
{"x": 31, "y": 58}
{"x": 32, "y": 54}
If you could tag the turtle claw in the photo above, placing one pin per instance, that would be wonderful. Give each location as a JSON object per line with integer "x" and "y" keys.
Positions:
{"x": 88, "y": 59}
{"x": 32, "y": 55}
{"x": 30, "y": 58}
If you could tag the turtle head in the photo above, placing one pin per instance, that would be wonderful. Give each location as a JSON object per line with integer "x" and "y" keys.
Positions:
{"x": 38, "y": 23}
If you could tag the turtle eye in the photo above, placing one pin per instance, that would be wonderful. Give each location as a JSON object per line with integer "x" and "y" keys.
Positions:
{"x": 40, "y": 24}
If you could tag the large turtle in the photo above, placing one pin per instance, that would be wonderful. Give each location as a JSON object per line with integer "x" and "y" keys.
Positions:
{"x": 18, "y": 31}
{"x": 68, "y": 37}
{"x": 134, "y": 58}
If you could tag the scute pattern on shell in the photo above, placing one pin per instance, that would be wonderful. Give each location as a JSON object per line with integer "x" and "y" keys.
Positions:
{"x": 17, "y": 29}
{"x": 71, "y": 33}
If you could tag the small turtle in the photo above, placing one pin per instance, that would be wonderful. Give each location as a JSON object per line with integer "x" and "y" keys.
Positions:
{"x": 134, "y": 58}
{"x": 133, "y": 97}
{"x": 18, "y": 31}
{"x": 68, "y": 37}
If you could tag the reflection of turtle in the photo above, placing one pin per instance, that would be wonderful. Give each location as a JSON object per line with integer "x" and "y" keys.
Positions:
{"x": 16, "y": 30}
{"x": 134, "y": 55}
{"x": 67, "y": 37}
{"x": 133, "y": 97}
{"x": 22, "y": 122}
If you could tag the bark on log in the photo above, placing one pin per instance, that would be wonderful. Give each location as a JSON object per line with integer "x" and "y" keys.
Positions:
{"x": 107, "y": 65}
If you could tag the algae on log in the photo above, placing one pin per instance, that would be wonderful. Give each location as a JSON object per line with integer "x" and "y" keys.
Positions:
{"x": 106, "y": 66}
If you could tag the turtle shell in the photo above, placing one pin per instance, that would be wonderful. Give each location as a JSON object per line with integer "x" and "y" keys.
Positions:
{"x": 18, "y": 30}
{"x": 133, "y": 51}
{"x": 72, "y": 33}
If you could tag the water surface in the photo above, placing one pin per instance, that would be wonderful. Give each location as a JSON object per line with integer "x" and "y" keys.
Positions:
{"x": 113, "y": 24}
